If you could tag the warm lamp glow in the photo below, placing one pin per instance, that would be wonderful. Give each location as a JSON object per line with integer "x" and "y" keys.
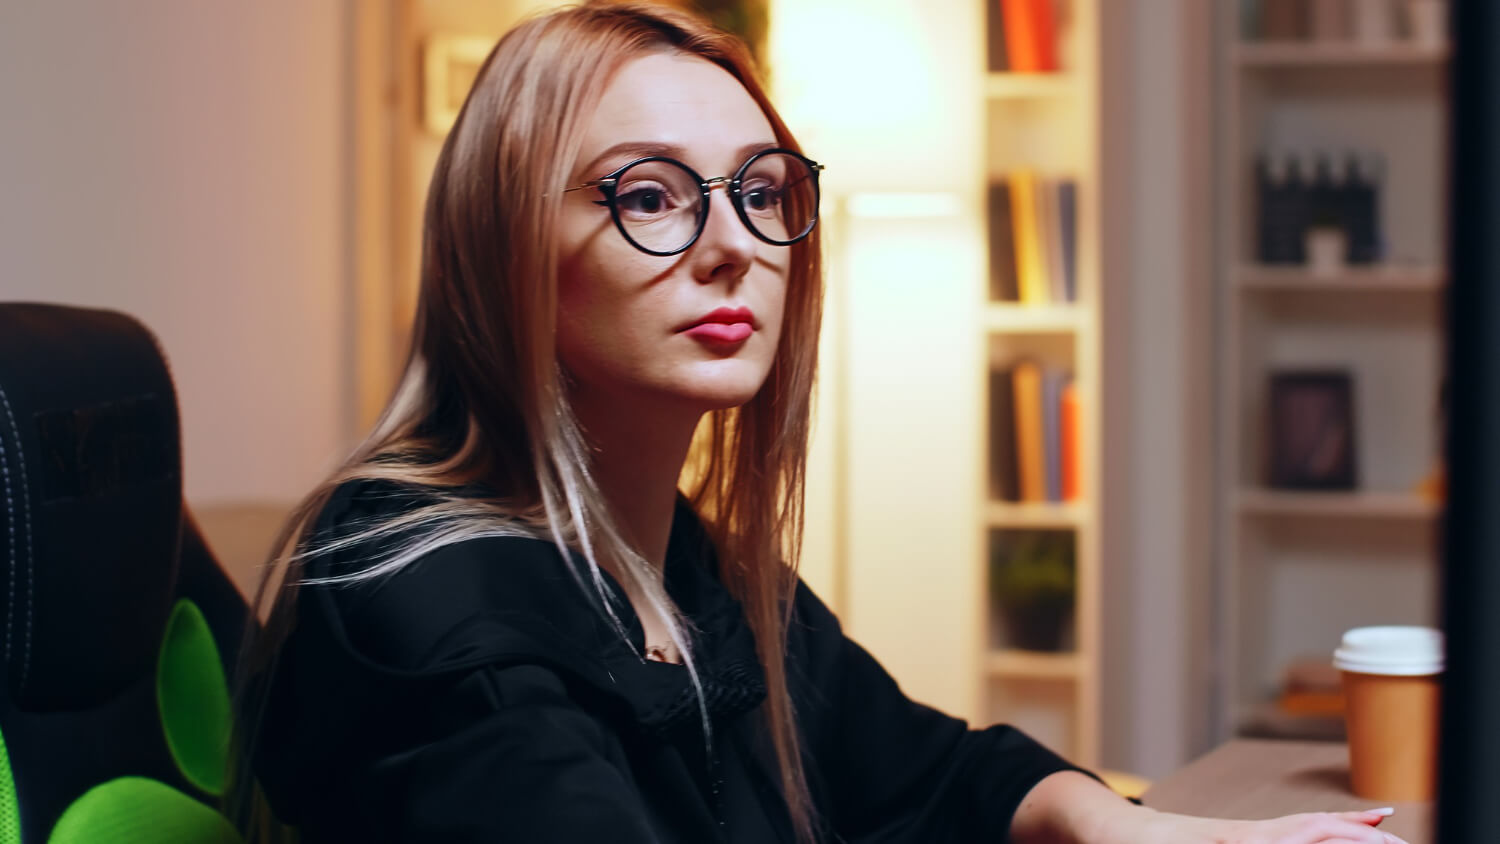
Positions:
{"x": 869, "y": 88}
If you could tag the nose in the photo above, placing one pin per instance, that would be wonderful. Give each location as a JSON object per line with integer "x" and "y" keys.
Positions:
{"x": 726, "y": 247}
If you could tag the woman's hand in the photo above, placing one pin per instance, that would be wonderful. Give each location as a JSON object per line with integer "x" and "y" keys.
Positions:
{"x": 1068, "y": 806}
{"x": 1311, "y": 828}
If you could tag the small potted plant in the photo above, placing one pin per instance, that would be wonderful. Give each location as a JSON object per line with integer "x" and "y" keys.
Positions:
{"x": 1033, "y": 585}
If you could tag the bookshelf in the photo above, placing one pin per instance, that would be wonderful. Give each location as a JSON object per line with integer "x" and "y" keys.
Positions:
{"x": 1034, "y": 665}
{"x": 1352, "y": 280}
{"x": 1047, "y": 125}
{"x": 1298, "y": 567}
{"x": 1020, "y": 86}
{"x": 1001, "y": 515}
{"x": 1039, "y": 319}
{"x": 1336, "y": 505}
{"x": 1307, "y": 54}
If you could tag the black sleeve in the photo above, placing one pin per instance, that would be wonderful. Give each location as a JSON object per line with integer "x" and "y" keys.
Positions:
{"x": 893, "y": 770}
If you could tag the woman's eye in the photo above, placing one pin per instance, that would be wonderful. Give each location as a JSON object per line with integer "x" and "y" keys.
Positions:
{"x": 644, "y": 200}
{"x": 763, "y": 197}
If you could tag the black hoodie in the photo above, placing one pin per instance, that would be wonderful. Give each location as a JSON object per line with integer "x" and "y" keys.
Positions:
{"x": 479, "y": 695}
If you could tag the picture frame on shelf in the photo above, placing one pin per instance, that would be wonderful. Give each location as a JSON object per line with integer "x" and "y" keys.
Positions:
{"x": 1312, "y": 442}
{"x": 450, "y": 64}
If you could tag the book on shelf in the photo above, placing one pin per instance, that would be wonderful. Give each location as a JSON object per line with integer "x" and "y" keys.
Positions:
{"x": 1030, "y": 35}
{"x": 1067, "y": 235}
{"x": 1035, "y": 435}
{"x": 1004, "y": 480}
{"x": 1295, "y": 193}
{"x": 1072, "y": 441}
{"x": 1031, "y": 268}
{"x": 997, "y": 61}
{"x": 1033, "y": 239}
{"x": 1278, "y": 20}
{"x": 1031, "y": 456}
{"x": 1003, "y": 282}
{"x": 1052, "y": 384}
{"x": 1048, "y": 211}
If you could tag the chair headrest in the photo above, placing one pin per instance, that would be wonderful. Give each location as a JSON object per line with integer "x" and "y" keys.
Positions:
{"x": 90, "y": 504}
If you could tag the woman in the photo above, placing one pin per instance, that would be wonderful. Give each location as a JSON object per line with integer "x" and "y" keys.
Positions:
{"x": 502, "y": 622}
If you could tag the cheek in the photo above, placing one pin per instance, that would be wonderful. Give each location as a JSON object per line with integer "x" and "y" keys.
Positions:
{"x": 605, "y": 315}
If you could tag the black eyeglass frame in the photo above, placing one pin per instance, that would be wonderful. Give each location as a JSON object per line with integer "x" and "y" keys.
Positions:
{"x": 610, "y": 183}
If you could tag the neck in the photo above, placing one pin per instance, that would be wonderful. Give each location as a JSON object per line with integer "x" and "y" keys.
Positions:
{"x": 637, "y": 459}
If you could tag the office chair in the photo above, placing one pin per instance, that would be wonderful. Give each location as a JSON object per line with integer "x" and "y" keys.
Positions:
{"x": 119, "y": 626}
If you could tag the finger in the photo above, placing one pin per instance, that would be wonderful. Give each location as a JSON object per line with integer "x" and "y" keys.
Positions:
{"x": 1362, "y": 836}
{"x": 1337, "y": 829}
{"x": 1369, "y": 817}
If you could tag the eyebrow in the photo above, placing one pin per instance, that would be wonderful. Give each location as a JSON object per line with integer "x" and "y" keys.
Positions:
{"x": 646, "y": 149}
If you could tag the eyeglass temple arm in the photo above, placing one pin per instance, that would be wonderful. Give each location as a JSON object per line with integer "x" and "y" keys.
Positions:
{"x": 597, "y": 183}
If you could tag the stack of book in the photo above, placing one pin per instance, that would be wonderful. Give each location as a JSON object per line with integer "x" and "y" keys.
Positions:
{"x": 1033, "y": 239}
{"x": 1035, "y": 435}
{"x": 1295, "y": 193}
{"x": 1022, "y": 36}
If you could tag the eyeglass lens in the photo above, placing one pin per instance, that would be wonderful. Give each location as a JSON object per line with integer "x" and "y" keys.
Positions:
{"x": 660, "y": 203}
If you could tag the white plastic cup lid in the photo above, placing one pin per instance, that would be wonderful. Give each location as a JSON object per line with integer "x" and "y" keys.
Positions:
{"x": 1393, "y": 651}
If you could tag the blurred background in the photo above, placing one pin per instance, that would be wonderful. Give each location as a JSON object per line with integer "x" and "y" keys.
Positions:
{"x": 1131, "y": 387}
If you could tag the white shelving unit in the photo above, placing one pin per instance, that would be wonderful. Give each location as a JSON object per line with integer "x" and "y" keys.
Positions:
{"x": 1033, "y": 319}
{"x": 1353, "y": 280}
{"x": 1050, "y": 123}
{"x": 1298, "y": 568}
{"x": 1020, "y": 86}
{"x": 1309, "y": 54}
{"x": 1271, "y": 503}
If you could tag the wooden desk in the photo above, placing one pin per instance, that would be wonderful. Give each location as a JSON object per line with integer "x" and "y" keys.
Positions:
{"x": 1254, "y": 779}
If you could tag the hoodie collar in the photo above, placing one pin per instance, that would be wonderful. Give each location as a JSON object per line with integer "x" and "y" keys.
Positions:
{"x": 661, "y": 695}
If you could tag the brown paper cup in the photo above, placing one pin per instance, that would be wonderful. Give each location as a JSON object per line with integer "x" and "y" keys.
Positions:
{"x": 1391, "y": 691}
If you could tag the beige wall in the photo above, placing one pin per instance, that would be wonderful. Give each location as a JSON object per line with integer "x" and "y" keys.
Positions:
{"x": 182, "y": 161}
{"x": 1159, "y": 227}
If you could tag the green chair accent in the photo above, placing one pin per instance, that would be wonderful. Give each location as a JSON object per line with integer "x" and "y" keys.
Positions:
{"x": 10, "y": 815}
{"x": 137, "y": 810}
{"x": 193, "y": 698}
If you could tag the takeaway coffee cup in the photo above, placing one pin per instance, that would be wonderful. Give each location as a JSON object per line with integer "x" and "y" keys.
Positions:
{"x": 1391, "y": 690}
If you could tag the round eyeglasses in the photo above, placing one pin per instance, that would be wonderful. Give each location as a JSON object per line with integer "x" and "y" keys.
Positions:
{"x": 660, "y": 204}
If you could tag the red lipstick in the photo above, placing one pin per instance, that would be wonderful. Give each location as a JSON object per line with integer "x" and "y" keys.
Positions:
{"x": 722, "y": 327}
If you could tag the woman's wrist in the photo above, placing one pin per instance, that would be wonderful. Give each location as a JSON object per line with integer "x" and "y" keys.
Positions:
{"x": 1071, "y": 806}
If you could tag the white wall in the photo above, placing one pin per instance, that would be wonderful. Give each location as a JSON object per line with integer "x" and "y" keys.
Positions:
{"x": 181, "y": 161}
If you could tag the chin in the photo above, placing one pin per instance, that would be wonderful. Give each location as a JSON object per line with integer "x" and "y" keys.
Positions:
{"x": 727, "y": 384}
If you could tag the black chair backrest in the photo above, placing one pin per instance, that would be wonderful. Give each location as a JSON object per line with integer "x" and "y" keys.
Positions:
{"x": 112, "y": 608}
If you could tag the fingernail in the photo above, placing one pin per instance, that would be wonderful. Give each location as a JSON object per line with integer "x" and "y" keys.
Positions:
{"x": 1384, "y": 813}
{"x": 1391, "y": 839}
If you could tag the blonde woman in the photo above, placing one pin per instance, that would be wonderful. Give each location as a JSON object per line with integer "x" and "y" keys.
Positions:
{"x": 501, "y": 620}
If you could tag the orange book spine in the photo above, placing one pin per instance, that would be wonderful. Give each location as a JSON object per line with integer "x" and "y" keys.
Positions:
{"x": 1030, "y": 449}
{"x": 1020, "y": 39}
{"x": 1072, "y": 443}
{"x": 1044, "y": 31}
{"x": 1031, "y": 273}
{"x": 1030, "y": 35}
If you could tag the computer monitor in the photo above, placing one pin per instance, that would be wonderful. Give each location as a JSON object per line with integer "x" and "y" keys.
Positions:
{"x": 1469, "y": 779}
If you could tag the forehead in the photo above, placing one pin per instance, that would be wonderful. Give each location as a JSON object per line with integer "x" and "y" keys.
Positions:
{"x": 681, "y": 100}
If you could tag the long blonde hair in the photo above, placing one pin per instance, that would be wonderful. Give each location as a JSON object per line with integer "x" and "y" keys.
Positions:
{"x": 482, "y": 400}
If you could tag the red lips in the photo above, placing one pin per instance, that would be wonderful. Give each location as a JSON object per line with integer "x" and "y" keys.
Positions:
{"x": 722, "y": 327}
{"x": 723, "y": 316}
